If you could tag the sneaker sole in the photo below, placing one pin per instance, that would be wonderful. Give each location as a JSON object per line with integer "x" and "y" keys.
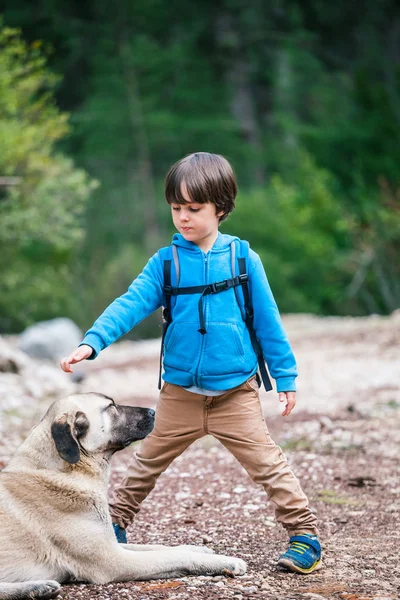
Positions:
{"x": 288, "y": 564}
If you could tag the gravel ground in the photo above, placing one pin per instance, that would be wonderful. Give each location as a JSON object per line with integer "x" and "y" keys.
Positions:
{"x": 344, "y": 449}
{"x": 205, "y": 497}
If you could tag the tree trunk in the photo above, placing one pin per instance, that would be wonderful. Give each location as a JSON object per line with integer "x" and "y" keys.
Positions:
{"x": 140, "y": 176}
{"x": 284, "y": 95}
{"x": 238, "y": 72}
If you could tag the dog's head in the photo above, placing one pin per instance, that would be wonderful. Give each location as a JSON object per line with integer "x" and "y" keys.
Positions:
{"x": 92, "y": 424}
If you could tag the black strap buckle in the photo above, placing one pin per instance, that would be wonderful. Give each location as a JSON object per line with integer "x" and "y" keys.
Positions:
{"x": 168, "y": 290}
{"x": 243, "y": 278}
{"x": 217, "y": 287}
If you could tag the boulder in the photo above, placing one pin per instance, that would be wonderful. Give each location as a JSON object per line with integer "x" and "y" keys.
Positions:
{"x": 50, "y": 340}
{"x": 12, "y": 360}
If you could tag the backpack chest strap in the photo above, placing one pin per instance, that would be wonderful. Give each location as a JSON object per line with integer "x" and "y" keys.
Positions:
{"x": 208, "y": 288}
{"x": 205, "y": 290}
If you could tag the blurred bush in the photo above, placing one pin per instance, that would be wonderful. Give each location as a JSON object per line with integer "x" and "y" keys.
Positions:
{"x": 298, "y": 229}
{"x": 41, "y": 226}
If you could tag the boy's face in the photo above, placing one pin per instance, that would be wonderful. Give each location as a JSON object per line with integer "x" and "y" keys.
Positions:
{"x": 198, "y": 223}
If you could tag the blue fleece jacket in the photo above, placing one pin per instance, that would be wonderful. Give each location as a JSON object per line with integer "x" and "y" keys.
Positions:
{"x": 223, "y": 357}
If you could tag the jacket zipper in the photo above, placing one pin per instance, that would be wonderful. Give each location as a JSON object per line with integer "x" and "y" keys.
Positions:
{"x": 206, "y": 262}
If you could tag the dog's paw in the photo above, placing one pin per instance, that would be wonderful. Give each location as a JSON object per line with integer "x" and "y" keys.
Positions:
{"x": 234, "y": 566}
{"x": 43, "y": 590}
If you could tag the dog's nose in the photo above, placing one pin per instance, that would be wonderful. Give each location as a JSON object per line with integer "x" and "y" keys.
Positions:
{"x": 151, "y": 412}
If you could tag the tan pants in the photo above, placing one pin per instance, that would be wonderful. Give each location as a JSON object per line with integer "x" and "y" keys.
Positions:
{"x": 236, "y": 420}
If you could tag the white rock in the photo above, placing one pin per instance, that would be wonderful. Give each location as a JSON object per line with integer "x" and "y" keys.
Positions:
{"x": 50, "y": 339}
{"x": 251, "y": 507}
{"x": 182, "y": 495}
{"x": 12, "y": 360}
{"x": 239, "y": 489}
{"x": 247, "y": 591}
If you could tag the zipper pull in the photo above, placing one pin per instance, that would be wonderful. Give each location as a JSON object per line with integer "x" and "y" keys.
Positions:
{"x": 205, "y": 259}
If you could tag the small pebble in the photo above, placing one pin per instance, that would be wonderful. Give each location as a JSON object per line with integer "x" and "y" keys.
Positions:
{"x": 250, "y": 590}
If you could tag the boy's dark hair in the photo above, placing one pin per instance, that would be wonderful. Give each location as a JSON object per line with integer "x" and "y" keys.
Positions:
{"x": 208, "y": 178}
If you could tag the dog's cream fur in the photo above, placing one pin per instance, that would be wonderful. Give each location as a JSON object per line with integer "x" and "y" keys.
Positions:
{"x": 55, "y": 525}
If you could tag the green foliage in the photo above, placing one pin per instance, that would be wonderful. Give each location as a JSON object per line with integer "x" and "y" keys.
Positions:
{"x": 303, "y": 98}
{"x": 30, "y": 120}
{"x": 372, "y": 262}
{"x": 114, "y": 279}
{"x": 298, "y": 230}
{"x": 41, "y": 217}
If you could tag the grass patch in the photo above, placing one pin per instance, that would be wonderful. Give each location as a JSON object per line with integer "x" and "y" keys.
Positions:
{"x": 296, "y": 444}
{"x": 331, "y": 497}
{"x": 393, "y": 404}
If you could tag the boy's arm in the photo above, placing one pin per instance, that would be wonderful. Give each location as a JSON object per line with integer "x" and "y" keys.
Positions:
{"x": 269, "y": 328}
{"x": 143, "y": 297}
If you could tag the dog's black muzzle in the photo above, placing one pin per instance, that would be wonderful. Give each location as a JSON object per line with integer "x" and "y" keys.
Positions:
{"x": 139, "y": 423}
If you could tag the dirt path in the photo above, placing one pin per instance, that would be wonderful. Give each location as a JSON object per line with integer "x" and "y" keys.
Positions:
{"x": 344, "y": 448}
{"x": 349, "y": 468}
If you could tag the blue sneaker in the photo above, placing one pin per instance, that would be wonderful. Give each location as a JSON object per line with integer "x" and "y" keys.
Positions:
{"x": 303, "y": 555}
{"x": 120, "y": 533}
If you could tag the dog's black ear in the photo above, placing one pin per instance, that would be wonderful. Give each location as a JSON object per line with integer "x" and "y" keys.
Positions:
{"x": 65, "y": 430}
{"x": 81, "y": 424}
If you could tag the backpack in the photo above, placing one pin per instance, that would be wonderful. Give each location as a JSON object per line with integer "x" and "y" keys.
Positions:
{"x": 214, "y": 288}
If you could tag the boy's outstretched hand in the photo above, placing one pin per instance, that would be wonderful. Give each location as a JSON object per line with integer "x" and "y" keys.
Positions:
{"x": 76, "y": 356}
{"x": 290, "y": 398}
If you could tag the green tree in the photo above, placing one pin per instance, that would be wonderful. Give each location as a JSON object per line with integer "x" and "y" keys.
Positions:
{"x": 149, "y": 81}
{"x": 301, "y": 234}
{"x": 43, "y": 195}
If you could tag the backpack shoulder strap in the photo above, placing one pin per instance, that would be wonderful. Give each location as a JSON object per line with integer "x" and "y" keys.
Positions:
{"x": 168, "y": 256}
{"x": 175, "y": 257}
{"x": 240, "y": 249}
{"x": 242, "y": 261}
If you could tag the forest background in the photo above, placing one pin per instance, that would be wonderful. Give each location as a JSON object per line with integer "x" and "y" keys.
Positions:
{"x": 98, "y": 99}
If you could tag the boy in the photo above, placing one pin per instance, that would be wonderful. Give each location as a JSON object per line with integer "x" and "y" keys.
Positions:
{"x": 210, "y": 366}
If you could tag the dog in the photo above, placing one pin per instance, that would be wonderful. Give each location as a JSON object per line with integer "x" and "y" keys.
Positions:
{"x": 55, "y": 524}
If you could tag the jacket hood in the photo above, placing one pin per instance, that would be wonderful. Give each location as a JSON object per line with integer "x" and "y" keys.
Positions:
{"x": 222, "y": 242}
